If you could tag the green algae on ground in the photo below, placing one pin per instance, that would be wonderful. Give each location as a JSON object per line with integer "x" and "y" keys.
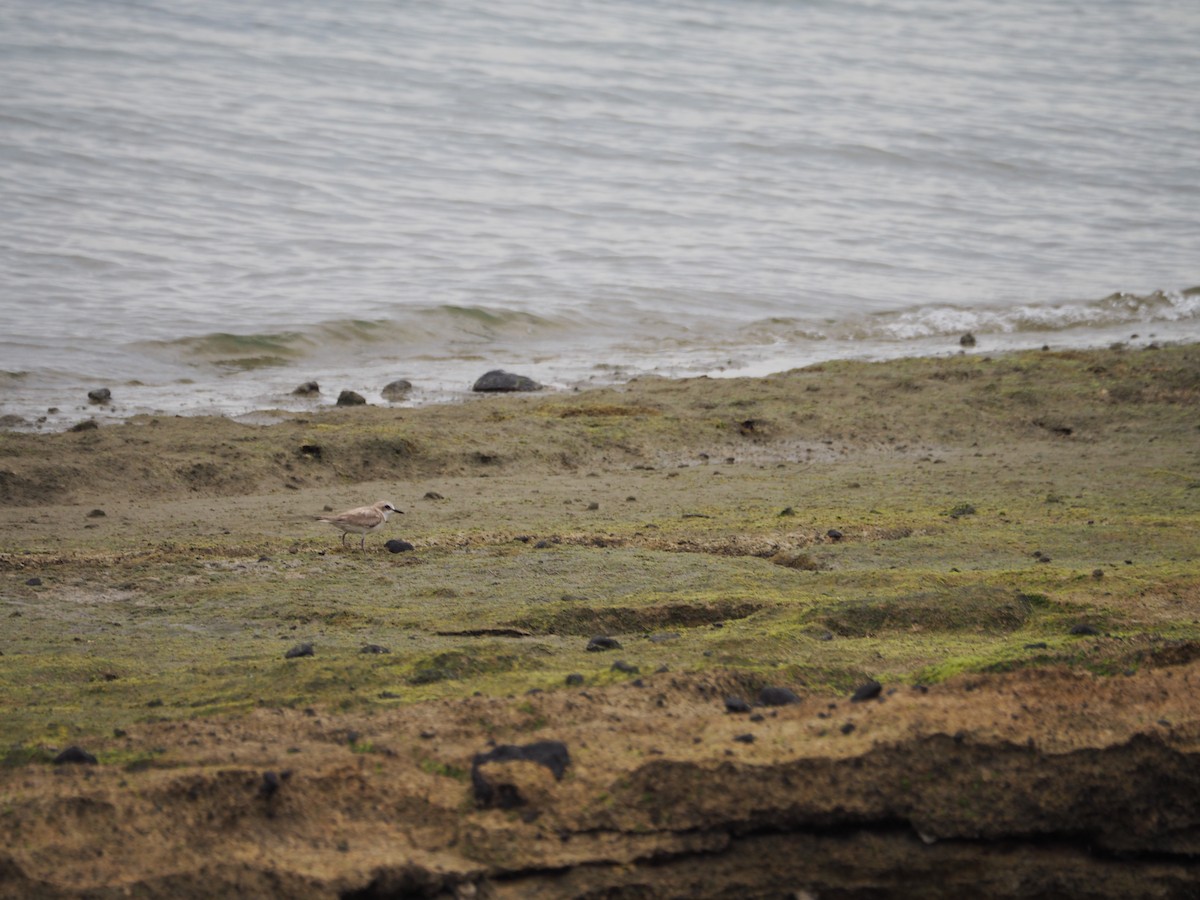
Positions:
{"x": 948, "y": 515}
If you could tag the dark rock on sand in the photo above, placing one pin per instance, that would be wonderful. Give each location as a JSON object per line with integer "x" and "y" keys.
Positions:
{"x": 777, "y": 696}
{"x": 397, "y": 390}
{"x": 744, "y": 738}
{"x": 499, "y": 380}
{"x": 737, "y": 705}
{"x": 97, "y": 514}
{"x": 967, "y": 340}
{"x": 308, "y": 389}
{"x": 601, "y": 642}
{"x": 1085, "y": 630}
{"x": 574, "y": 679}
{"x": 299, "y": 650}
{"x": 492, "y": 789}
{"x": 621, "y": 666}
{"x": 34, "y": 581}
{"x": 350, "y": 398}
{"x": 868, "y": 691}
{"x": 399, "y": 546}
{"x": 270, "y": 785}
{"x": 100, "y": 395}
{"x": 85, "y": 425}
{"x": 374, "y": 648}
{"x": 834, "y": 535}
{"x": 75, "y": 754}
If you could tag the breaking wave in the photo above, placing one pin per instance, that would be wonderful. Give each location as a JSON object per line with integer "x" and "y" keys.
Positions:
{"x": 438, "y": 330}
{"x": 1115, "y": 310}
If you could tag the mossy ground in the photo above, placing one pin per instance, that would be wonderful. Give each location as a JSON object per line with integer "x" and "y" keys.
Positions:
{"x": 904, "y": 521}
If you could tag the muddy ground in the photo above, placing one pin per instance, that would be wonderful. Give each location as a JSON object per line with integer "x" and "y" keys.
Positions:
{"x": 998, "y": 552}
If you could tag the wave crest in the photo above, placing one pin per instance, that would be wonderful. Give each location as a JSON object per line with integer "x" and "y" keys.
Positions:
{"x": 418, "y": 332}
{"x": 1114, "y": 310}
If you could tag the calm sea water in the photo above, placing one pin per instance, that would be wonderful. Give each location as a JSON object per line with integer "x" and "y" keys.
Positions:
{"x": 203, "y": 204}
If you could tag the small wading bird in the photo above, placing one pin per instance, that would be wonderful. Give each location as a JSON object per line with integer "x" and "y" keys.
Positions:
{"x": 364, "y": 520}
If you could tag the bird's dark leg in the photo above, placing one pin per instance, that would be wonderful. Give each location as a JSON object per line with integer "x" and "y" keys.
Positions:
{"x": 343, "y": 539}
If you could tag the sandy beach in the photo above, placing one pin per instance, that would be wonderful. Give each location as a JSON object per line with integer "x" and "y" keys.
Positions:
{"x": 922, "y": 628}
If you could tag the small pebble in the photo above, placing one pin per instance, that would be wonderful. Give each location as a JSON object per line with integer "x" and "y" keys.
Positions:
{"x": 745, "y": 738}
{"x": 777, "y": 696}
{"x": 621, "y": 666}
{"x": 299, "y": 650}
{"x": 75, "y": 754}
{"x": 270, "y": 784}
{"x": 396, "y": 391}
{"x": 736, "y": 705}
{"x": 601, "y": 642}
{"x": 867, "y": 691}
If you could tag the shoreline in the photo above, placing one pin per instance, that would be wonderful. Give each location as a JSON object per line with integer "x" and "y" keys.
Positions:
{"x": 1003, "y": 543}
{"x": 257, "y": 392}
